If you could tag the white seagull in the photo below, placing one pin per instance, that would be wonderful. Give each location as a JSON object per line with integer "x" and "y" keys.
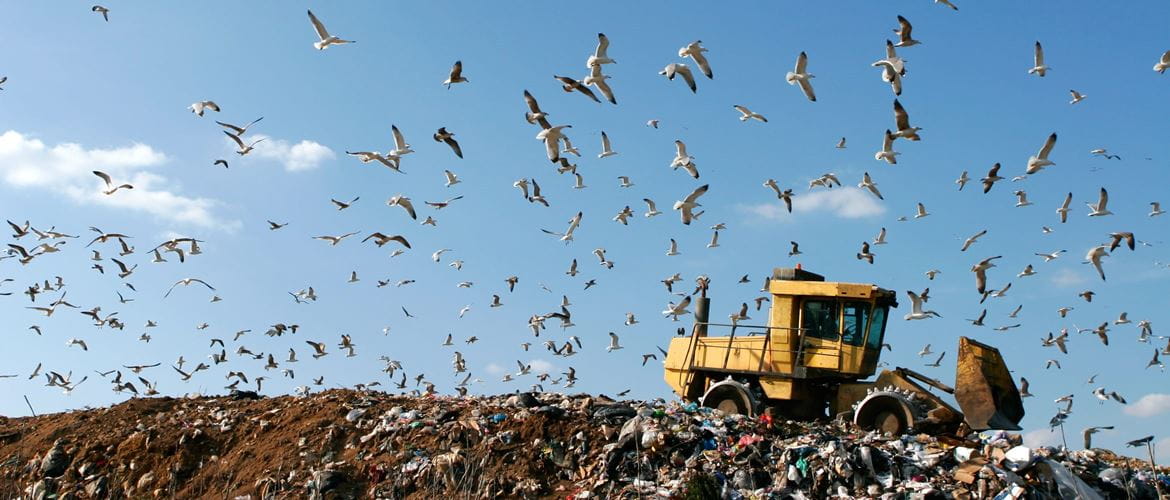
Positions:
{"x": 694, "y": 51}
{"x": 606, "y": 149}
{"x": 1038, "y": 66}
{"x": 1038, "y": 162}
{"x": 110, "y": 187}
{"x": 676, "y": 310}
{"x": 325, "y": 38}
{"x": 600, "y": 56}
{"x": 916, "y": 311}
{"x": 199, "y": 106}
{"x": 1100, "y": 208}
{"x": 747, "y": 114}
{"x": 888, "y": 154}
{"x": 1094, "y": 257}
{"x": 1163, "y": 63}
{"x": 686, "y": 205}
{"x": 673, "y": 69}
{"x": 613, "y": 343}
{"x": 801, "y": 76}
{"x": 868, "y": 183}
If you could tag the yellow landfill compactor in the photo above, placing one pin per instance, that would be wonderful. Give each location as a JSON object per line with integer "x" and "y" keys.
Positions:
{"x": 821, "y": 341}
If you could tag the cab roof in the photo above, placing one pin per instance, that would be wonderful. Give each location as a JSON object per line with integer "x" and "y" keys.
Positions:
{"x": 798, "y": 282}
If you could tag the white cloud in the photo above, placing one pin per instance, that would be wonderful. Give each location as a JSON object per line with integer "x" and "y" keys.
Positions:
{"x": 1042, "y": 437}
{"x": 541, "y": 366}
{"x": 67, "y": 168}
{"x": 1067, "y": 278}
{"x": 1149, "y": 405}
{"x": 847, "y": 202}
{"x": 304, "y": 155}
{"x": 494, "y": 369}
{"x": 1162, "y": 451}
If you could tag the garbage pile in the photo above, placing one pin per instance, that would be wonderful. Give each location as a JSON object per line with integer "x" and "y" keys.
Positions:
{"x": 351, "y": 444}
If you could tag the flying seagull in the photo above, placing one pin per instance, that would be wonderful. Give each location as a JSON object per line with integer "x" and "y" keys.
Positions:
{"x": 686, "y": 205}
{"x": 1163, "y": 63}
{"x": 600, "y": 56}
{"x": 800, "y": 76}
{"x": 1100, "y": 208}
{"x": 916, "y": 308}
{"x": 104, "y": 12}
{"x": 695, "y": 51}
{"x": 902, "y": 120}
{"x": 334, "y": 240}
{"x": 904, "y": 33}
{"x": 243, "y": 149}
{"x": 325, "y": 39}
{"x": 442, "y": 135}
{"x": 606, "y": 148}
{"x": 187, "y": 282}
{"x": 1094, "y": 257}
{"x": 747, "y": 114}
{"x": 1038, "y": 162}
{"x": 399, "y": 200}
{"x": 1038, "y": 66}
{"x": 199, "y": 106}
{"x": 673, "y": 69}
{"x": 569, "y": 85}
{"x": 110, "y": 187}
{"x": 238, "y": 131}
{"x": 887, "y": 152}
{"x": 597, "y": 79}
{"x": 868, "y": 183}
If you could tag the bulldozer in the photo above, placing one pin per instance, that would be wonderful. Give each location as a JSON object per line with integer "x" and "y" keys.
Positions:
{"x": 812, "y": 359}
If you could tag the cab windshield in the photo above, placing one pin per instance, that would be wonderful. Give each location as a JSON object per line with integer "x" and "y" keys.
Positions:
{"x": 877, "y": 327}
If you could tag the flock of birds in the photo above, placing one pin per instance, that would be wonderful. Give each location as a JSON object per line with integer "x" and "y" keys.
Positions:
{"x": 113, "y": 251}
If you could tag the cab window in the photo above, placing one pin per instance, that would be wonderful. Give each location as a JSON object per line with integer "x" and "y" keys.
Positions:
{"x": 820, "y": 319}
{"x": 856, "y": 316}
{"x": 876, "y": 328}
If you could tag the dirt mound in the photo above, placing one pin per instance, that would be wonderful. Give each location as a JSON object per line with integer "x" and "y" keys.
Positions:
{"x": 347, "y": 444}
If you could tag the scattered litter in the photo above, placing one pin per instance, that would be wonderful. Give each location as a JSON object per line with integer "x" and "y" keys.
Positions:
{"x": 345, "y": 444}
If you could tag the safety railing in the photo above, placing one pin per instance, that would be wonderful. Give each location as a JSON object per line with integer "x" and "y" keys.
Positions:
{"x": 764, "y": 349}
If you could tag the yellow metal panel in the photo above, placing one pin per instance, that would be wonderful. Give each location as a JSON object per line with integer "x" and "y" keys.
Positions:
{"x": 821, "y": 353}
{"x": 777, "y": 388}
{"x": 851, "y": 358}
{"x": 676, "y": 354}
{"x": 780, "y": 356}
{"x": 676, "y": 375}
{"x": 821, "y": 289}
{"x": 745, "y": 352}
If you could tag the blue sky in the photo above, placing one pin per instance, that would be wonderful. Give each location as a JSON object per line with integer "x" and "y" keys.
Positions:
{"x": 83, "y": 93}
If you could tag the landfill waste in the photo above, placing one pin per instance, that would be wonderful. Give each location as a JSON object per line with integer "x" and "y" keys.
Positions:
{"x": 358, "y": 444}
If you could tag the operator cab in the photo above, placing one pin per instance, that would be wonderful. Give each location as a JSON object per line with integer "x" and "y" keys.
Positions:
{"x": 836, "y": 328}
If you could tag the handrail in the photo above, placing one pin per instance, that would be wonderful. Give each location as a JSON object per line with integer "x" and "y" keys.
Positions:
{"x": 730, "y": 340}
{"x": 741, "y": 325}
{"x": 763, "y": 353}
{"x": 835, "y": 353}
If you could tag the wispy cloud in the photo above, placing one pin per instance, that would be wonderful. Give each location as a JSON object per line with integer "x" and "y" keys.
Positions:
{"x": 1150, "y": 405}
{"x": 1042, "y": 437}
{"x": 542, "y": 366}
{"x": 846, "y": 202}
{"x": 1067, "y": 278}
{"x": 67, "y": 168}
{"x": 295, "y": 157}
